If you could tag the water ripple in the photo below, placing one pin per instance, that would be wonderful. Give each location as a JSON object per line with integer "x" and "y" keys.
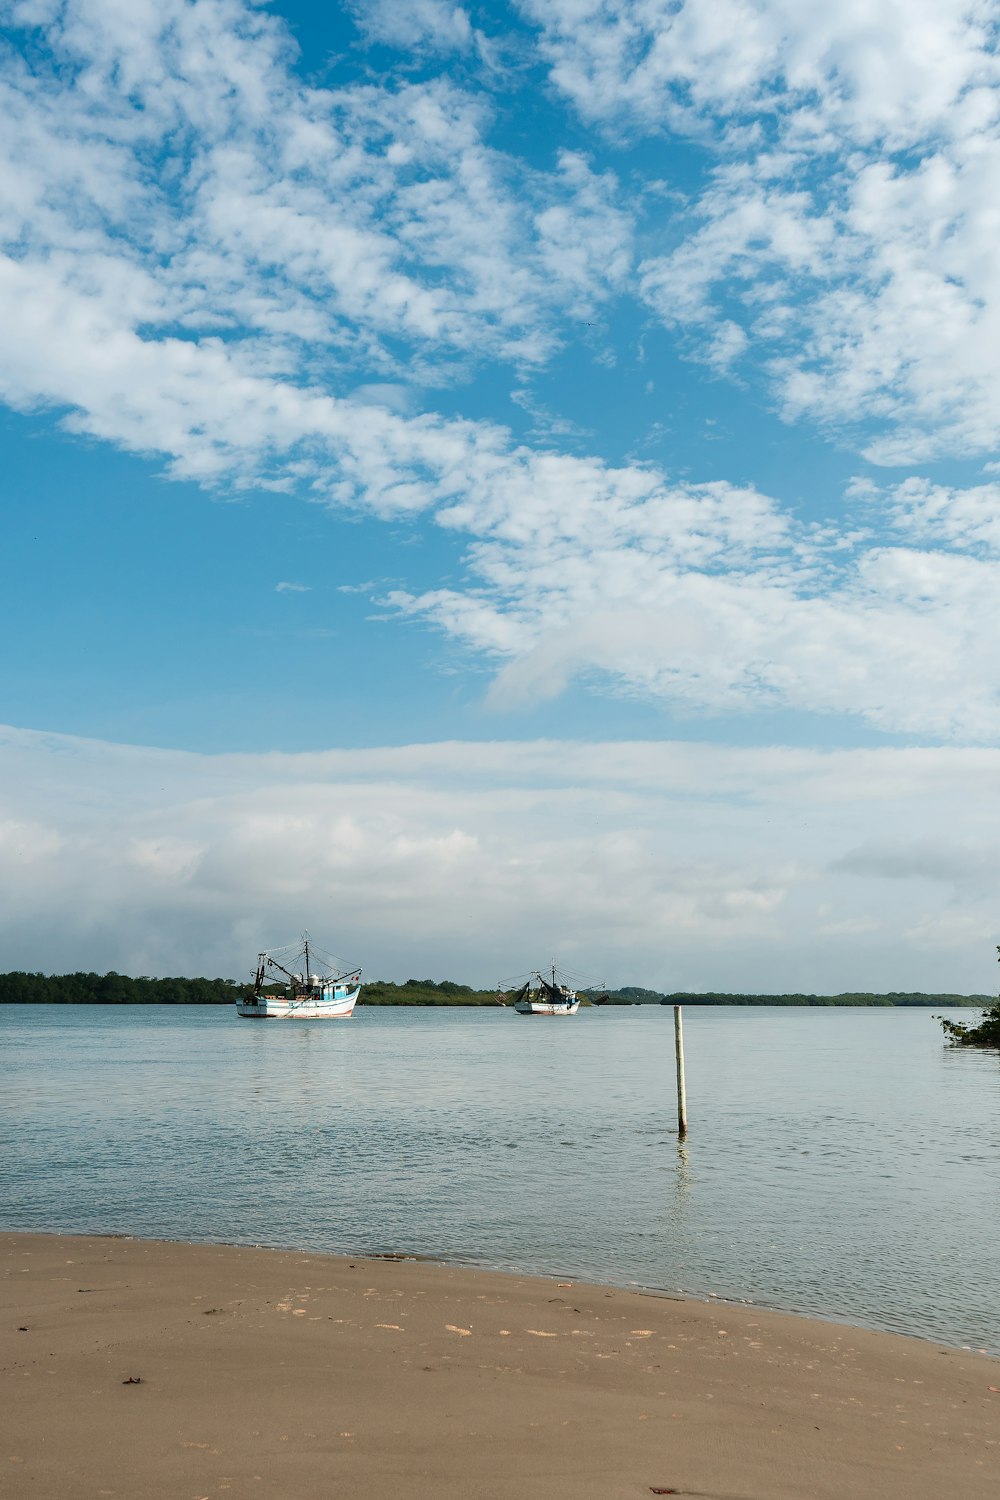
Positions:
{"x": 840, "y": 1162}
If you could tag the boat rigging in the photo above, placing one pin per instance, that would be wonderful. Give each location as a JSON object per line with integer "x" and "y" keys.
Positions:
{"x": 318, "y": 991}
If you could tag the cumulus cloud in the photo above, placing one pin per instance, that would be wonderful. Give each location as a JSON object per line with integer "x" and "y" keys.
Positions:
{"x": 885, "y": 69}
{"x": 676, "y": 865}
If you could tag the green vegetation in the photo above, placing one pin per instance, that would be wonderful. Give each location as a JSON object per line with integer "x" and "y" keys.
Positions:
{"x": 115, "y": 989}
{"x": 632, "y": 994}
{"x": 119, "y": 989}
{"x": 425, "y": 992}
{"x": 893, "y": 998}
{"x": 986, "y": 1034}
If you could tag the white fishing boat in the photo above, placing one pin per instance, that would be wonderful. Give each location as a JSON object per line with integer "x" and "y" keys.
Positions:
{"x": 317, "y": 991}
{"x": 539, "y": 996}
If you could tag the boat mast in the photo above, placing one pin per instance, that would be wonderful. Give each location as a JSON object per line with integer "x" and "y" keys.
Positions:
{"x": 305, "y": 939}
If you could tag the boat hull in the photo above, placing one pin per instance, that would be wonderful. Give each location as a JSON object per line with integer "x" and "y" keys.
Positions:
{"x": 547, "y": 1008}
{"x": 278, "y": 1008}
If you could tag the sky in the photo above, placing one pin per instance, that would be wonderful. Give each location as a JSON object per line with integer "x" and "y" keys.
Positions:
{"x": 502, "y": 482}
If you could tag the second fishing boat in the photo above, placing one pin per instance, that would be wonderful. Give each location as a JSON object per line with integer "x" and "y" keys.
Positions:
{"x": 539, "y": 996}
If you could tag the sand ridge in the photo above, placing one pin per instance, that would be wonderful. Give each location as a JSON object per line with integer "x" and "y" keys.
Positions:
{"x": 137, "y": 1368}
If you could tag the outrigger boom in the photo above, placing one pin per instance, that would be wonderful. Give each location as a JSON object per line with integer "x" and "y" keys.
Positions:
{"x": 328, "y": 994}
{"x": 546, "y": 998}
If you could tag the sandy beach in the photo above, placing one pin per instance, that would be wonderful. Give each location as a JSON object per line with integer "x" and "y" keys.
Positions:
{"x": 135, "y": 1368}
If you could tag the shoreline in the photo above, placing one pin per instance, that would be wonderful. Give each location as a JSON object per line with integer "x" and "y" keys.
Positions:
{"x": 407, "y": 1257}
{"x": 736, "y": 1002}
{"x": 294, "y": 1373}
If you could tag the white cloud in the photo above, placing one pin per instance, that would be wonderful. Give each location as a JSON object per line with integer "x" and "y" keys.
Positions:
{"x": 705, "y": 596}
{"x": 846, "y": 241}
{"x": 292, "y": 588}
{"x": 584, "y": 238}
{"x": 208, "y": 260}
{"x": 886, "y": 69}
{"x": 167, "y": 169}
{"x": 967, "y": 519}
{"x": 397, "y": 397}
{"x": 679, "y": 865}
{"x": 906, "y": 316}
{"x": 199, "y": 255}
{"x": 711, "y": 599}
{"x": 167, "y": 163}
{"x": 439, "y": 25}
{"x": 868, "y": 295}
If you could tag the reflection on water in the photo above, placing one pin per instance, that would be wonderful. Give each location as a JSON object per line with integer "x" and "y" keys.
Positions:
{"x": 842, "y": 1162}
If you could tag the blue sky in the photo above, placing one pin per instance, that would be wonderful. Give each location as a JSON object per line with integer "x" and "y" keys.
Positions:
{"x": 413, "y": 411}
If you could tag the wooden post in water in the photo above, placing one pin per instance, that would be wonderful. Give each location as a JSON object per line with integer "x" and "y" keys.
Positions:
{"x": 682, "y": 1113}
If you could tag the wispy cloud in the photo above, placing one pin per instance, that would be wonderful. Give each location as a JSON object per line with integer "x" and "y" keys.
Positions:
{"x": 844, "y": 241}
{"x": 966, "y": 519}
{"x": 292, "y": 588}
{"x": 209, "y": 260}
{"x": 713, "y": 599}
{"x": 242, "y": 200}
{"x": 439, "y": 25}
{"x": 192, "y": 235}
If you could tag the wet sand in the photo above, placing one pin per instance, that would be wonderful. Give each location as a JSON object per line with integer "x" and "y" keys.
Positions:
{"x": 133, "y": 1368}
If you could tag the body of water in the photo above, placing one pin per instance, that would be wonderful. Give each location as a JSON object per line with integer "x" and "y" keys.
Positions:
{"x": 840, "y": 1162}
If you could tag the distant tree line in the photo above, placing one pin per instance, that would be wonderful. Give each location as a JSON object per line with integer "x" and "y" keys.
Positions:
{"x": 120, "y": 989}
{"x": 425, "y": 992}
{"x": 115, "y": 989}
{"x": 633, "y": 994}
{"x": 851, "y": 997}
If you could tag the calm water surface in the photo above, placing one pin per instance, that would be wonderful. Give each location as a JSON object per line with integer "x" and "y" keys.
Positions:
{"x": 838, "y": 1162}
